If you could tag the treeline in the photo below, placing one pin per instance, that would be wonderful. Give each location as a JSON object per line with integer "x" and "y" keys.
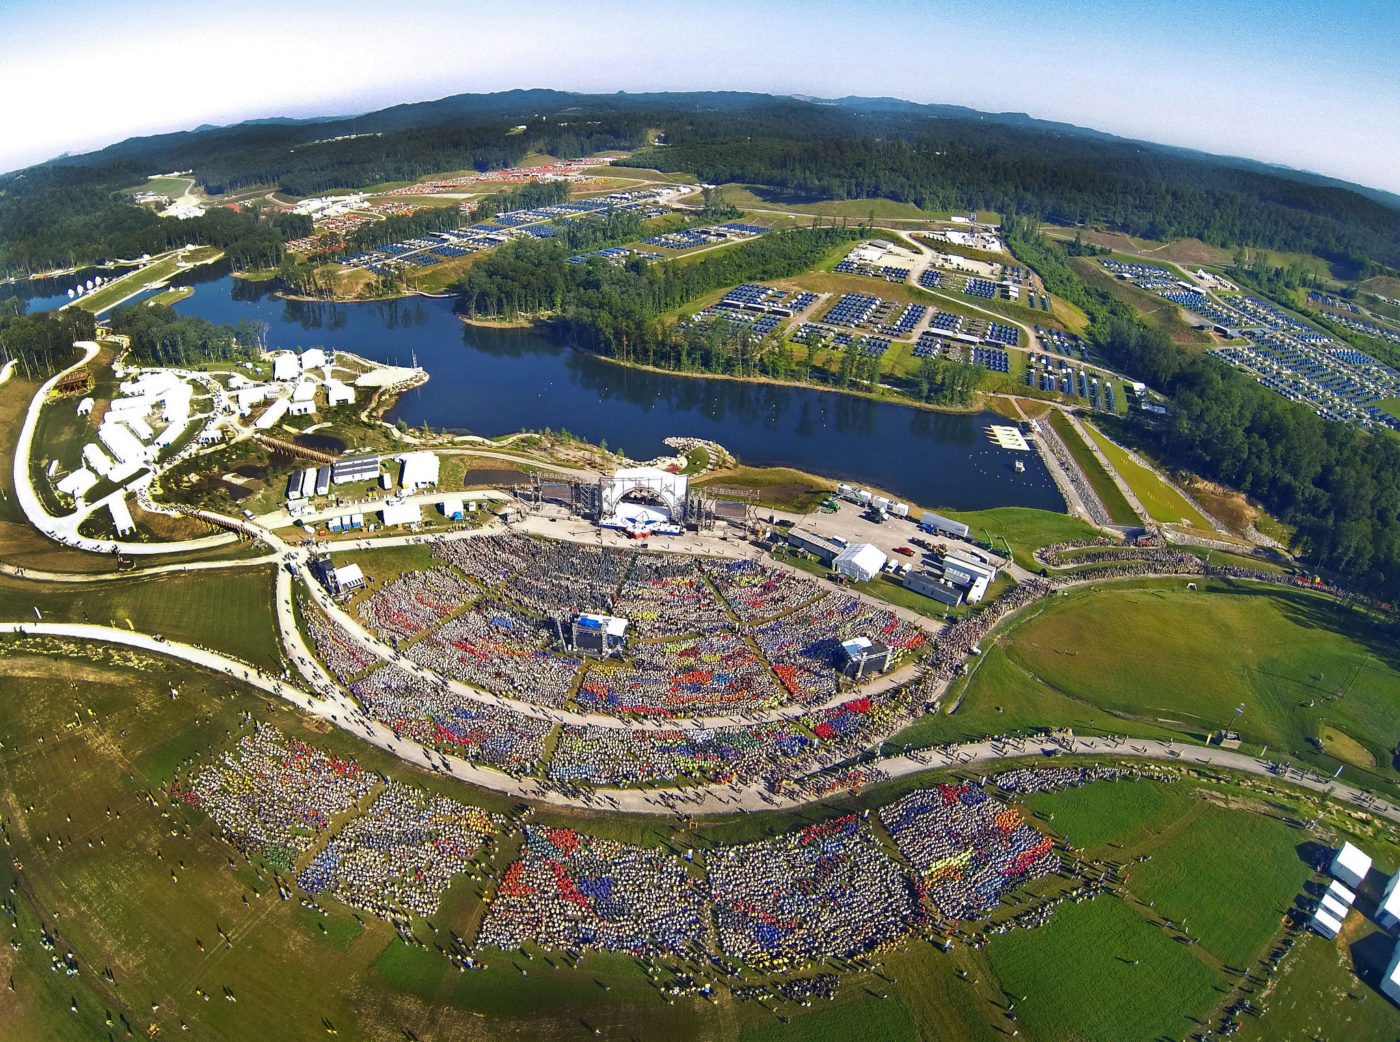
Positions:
{"x": 529, "y": 196}
{"x": 160, "y": 336}
{"x": 1336, "y": 484}
{"x": 616, "y": 310}
{"x": 60, "y": 218}
{"x": 42, "y": 343}
{"x": 1069, "y": 178}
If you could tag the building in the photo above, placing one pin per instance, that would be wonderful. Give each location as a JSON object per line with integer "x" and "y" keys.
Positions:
{"x": 1341, "y": 894}
{"x": 312, "y": 358}
{"x": 355, "y": 468}
{"x": 599, "y": 635}
{"x": 819, "y": 546}
{"x": 1325, "y": 923}
{"x": 863, "y": 657}
{"x": 401, "y": 514}
{"x": 77, "y": 483}
{"x": 1351, "y": 865}
{"x": 1388, "y": 911}
{"x": 453, "y": 509}
{"x": 859, "y": 562}
{"x": 272, "y": 414}
{"x": 121, "y": 516}
{"x": 643, "y": 497}
{"x": 323, "y": 481}
{"x": 85, "y": 407}
{"x": 1390, "y": 981}
{"x": 420, "y": 470}
{"x": 940, "y": 525}
{"x": 338, "y": 393}
{"x": 338, "y": 580}
{"x": 934, "y": 586}
{"x": 285, "y": 367}
{"x": 971, "y": 575}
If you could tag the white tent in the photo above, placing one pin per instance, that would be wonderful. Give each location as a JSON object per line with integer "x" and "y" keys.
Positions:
{"x": 1388, "y": 914}
{"x": 420, "y": 469}
{"x": 860, "y": 561}
{"x": 285, "y": 367}
{"x": 402, "y": 514}
{"x": 1351, "y": 865}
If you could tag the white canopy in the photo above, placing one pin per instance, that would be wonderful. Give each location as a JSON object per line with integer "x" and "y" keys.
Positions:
{"x": 859, "y": 561}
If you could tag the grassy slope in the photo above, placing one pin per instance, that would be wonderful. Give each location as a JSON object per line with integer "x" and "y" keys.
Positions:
{"x": 1118, "y": 509}
{"x": 1158, "y": 496}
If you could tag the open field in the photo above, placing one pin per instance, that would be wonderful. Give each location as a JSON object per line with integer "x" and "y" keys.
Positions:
{"x": 1154, "y": 310}
{"x": 1101, "y": 816}
{"x": 760, "y": 198}
{"x": 1162, "y": 501}
{"x": 1099, "y": 479}
{"x": 237, "y": 619}
{"x": 775, "y": 487}
{"x": 114, "y": 292}
{"x": 1024, "y": 528}
{"x": 1152, "y": 656}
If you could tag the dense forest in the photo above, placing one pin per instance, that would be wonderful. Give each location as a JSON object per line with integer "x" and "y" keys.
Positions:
{"x": 933, "y": 156}
{"x": 40, "y": 344}
{"x": 1336, "y": 484}
{"x": 160, "y": 336}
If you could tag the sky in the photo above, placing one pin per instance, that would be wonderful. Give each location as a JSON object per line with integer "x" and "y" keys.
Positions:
{"x": 1307, "y": 84}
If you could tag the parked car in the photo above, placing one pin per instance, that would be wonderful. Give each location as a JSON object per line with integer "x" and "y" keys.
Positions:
{"x": 906, "y": 551}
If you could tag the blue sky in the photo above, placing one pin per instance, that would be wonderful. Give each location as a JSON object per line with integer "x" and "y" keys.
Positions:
{"x": 1307, "y": 84}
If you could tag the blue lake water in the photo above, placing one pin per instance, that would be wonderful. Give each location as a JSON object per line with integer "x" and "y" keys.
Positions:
{"x": 492, "y": 382}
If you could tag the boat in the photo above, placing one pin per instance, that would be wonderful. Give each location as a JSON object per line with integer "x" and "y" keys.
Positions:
{"x": 1020, "y": 467}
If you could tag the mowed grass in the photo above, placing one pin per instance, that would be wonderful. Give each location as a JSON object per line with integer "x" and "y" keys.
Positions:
{"x": 1156, "y": 655}
{"x": 1162, "y": 501}
{"x": 1119, "y": 512}
{"x": 1100, "y": 972}
{"x": 869, "y": 1020}
{"x": 1025, "y": 528}
{"x": 1229, "y": 876}
{"x": 1103, "y": 813}
{"x": 228, "y": 610}
{"x": 759, "y": 197}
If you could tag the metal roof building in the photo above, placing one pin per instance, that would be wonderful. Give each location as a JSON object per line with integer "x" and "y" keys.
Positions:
{"x": 1351, "y": 865}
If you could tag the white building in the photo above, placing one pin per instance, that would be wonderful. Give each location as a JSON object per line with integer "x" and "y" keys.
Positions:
{"x": 312, "y": 358}
{"x": 121, "y": 516}
{"x": 1388, "y": 912}
{"x": 77, "y": 483}
{"x": 85, "y": 407}
{"x": 338, "y": 393}
{"x": 860, "y": 562}
{"x": 401, "y": 514}
{"x": 272, "y": 414}
{"x": 285, "y": 367}
{"x": 420, "y": 470}
{"x": 117, "y": 439}
{"x": 1325, "y": 923}
{"x": 638, "y": 496}
{"x": 248, "y": 397}
{"x": 1351, "y": 865}
{"x": 98, "y": 460}
{"x": 1390, "y": 982}
{"x": 973, "y": 576}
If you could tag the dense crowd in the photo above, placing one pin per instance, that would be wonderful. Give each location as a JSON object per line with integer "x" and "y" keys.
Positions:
{"x": 342, "y": 654}
{"x": 432, "y": 714}
{"x": 415, "y": 601}
{"x": 398, "y": 858}
{"x": 497, "y": 649}
{"x": 274, "y": 795}
{"x": 1050, "y": 439}
{"x": 623, "y": 756}
{"x": 968, "y": 848}
{"x": 756, "y": 592}
{"x": 827, "y": 891}
{"x": 578, "y": 892}
{"x": 666, "y": 595}
{"x": 951, "y": 648}
{"x": 1026, "y": 780}
{"x": 695, "y": 675}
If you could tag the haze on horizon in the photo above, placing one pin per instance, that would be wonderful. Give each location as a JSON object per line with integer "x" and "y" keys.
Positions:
{"x": 1294, "y": 82}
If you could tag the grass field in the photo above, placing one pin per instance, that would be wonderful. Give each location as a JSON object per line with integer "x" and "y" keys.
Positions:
{"x": 1119, "y": 512}
{"x": 1162, "y": 501}
{"x": 1151, "y": 655}
{"x": 1390, "y": 406}
{"x": 1154, "y": 310}
{"x": 1025, "y": 528}
{"x": 776, "y": 487}
{"x": 114, "y": 292}
{"x": 1106, "y": 814}
{"x": 1099, "y": 972}
{"x": 237, "y": 619}
{"x": 758, "y": 197}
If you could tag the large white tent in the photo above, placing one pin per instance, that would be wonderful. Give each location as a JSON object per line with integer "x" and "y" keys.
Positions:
{"x": 860, "y": 562}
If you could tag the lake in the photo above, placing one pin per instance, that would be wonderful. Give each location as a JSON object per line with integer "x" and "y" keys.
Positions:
{"x": 492, "y": 382}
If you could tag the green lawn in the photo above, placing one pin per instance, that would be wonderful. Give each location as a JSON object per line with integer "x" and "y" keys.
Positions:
{"x": 1152, "y": 654}
{"x": 1024, "y": 528}
{"x": 866, "y": 1020}
{"x": 1230, "y": 876}
{"x": 114, "y": 292}
{"x": 227, "y": 610}
{"x": 1119, "y": 512}
{"x": 1161, "y": 499}
{"x": 1103, "y": 814}
{"x": 1100, "y": 972}
{"x": 1390, "y": 406}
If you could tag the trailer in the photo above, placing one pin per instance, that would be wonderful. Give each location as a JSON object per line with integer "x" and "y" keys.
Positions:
{"x": 937, "y": 524}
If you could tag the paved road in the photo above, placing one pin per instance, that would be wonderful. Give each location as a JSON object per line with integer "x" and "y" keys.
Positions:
{"x": 338, "y": 710}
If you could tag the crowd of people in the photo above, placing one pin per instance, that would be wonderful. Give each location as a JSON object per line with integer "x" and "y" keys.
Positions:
{"x": 578, "y": 892}
{"x": 756, "y": 593}
{"x": 274, "y": 795}
{"x": 951, "y": 648}
{"x": 414, "y": 602}
{"x": 666, "y": 595}
{"x": 1025, "y": 780}
{"x": 432, "y": 714}
{"x": 1050, "y": 439}
{"x": 341, "y": 653}
{"x": 804, "y": 646}
{"x": 398, "y": 858}
{"x": 969, "y": 848}
{"x": 826, "y": 891}
{"x": 684, "y": 676}
{"x": 624, "y": 756}
{"x": 497, "y": 649}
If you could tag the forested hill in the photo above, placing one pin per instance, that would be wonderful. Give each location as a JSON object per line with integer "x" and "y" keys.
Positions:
{"x": 941, "y": 157}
